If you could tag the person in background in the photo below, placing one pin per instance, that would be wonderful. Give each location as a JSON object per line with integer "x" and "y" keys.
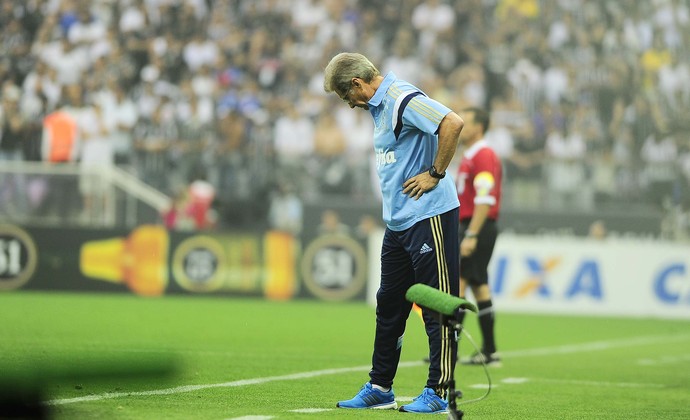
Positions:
{"x": 479, "y": 191}
{"x": 331, "y": 224}
{"x": 415, "y": 138}
{"x": 60, "y": 145}
{"x": 176, "y": 216}
{"x": 201, "y": 194}
{"x": 13, "y": 201}
{"x": 286, "y": 209}
{"x": 96, "y": 156}
{"x": 597, "y": 230}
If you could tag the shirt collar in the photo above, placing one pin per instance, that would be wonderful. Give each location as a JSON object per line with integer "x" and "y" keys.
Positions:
{"x": 469, "y": 153}
{"x": 382, "y": 89}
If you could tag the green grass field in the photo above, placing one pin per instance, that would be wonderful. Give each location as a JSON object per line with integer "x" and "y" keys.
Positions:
{"x": 253, "y": 359}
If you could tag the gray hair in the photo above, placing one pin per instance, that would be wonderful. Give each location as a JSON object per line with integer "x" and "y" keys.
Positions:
{"x": 343, "y": 68}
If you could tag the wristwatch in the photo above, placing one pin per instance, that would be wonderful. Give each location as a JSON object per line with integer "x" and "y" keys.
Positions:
{"x": 433, "y": 173}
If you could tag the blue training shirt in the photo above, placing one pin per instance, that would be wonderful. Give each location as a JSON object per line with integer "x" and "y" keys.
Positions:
{"x": 406, "y": 140}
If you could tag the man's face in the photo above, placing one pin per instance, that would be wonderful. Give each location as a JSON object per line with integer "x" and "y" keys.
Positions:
{"x": 354, "y": 96}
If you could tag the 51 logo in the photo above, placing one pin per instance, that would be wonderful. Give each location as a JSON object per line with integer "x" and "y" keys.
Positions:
{"x": 18, "y": 257}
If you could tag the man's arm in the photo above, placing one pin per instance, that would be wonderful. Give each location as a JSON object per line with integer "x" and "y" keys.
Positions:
{"x": 448, "y": 137}
{"x": 469, "y": 242}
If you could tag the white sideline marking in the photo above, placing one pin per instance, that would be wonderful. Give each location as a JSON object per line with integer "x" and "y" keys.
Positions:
{"x": 574, "y": 348}
{"x": 596, "y": 345}
{"x": 310, "y": 410}
{"x": 252, "y": 418}
{"x": 600, "y": 383}
{"x": 514, "y": 380}
{"x": 664, "y": 360}
{"x": 579, "y": 382}
{"x": 243, "y": 382}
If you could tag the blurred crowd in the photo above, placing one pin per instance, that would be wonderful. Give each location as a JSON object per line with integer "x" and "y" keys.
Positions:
{"x": 589, "y": 99}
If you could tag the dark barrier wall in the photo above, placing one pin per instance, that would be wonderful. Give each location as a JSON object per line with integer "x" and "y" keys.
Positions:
{"x": 357, "y": 217}
{"x": 330, "y": 262}
{"x": 149, "y": 261}
{"x": 630, "y": 224}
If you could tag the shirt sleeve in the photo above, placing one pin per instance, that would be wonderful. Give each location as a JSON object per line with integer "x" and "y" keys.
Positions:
{"x": 425, "y": 113}
{"x": 484, "y": 181}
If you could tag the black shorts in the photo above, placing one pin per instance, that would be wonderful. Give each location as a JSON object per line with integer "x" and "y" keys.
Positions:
{"x": 424, "y": 253}
{"x": 474, "y": 269}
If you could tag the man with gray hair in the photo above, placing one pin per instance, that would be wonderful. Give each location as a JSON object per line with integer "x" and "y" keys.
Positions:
{"x": 415, "y": 138}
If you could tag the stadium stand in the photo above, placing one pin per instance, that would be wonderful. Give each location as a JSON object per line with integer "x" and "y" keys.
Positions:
{"x": 589, "y": 99}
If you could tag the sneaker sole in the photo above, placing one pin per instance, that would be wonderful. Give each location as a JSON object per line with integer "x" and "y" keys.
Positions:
{"x": 402, "y": 410}
{"x": 391, "y": 406}
{"x": 388, "y": 406}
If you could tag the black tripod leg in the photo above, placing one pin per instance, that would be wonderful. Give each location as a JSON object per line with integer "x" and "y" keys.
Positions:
{"x": 455, "y": 414}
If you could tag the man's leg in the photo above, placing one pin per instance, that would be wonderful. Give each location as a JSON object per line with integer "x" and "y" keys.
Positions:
{"x": 477, "y": 276}
{"x": 392, "y": 310}
{"x": 433, "y": 247}
{"x": 486, "y": 317}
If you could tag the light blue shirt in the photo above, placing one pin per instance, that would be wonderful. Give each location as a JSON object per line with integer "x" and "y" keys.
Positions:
{"x": 406, "y": 140}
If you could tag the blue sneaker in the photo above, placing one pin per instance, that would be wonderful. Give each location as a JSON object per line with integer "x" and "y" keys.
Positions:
{"x": 427, "y": 402}
{"x": 369, "y": 397}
